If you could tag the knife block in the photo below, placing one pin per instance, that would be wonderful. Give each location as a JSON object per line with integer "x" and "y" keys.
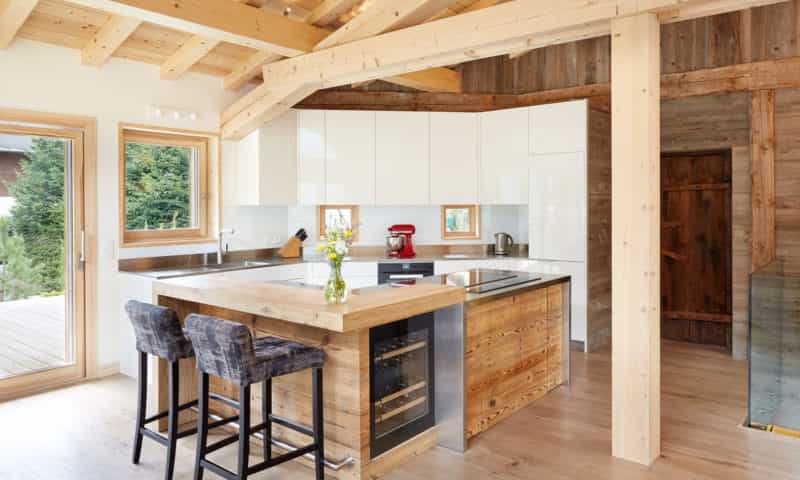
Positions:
{"x": 291, "y": 249}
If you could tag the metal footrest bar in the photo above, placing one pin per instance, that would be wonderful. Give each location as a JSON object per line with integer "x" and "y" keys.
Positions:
{"x": 165, "y": 413}
{"x": 298, "y": 452}
{"x": 290, "y": 424}
{"x": 333, "y": 465}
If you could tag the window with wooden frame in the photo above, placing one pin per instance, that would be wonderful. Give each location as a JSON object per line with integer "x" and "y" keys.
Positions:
{"x": 461, "y": 222}
{"x": 327, "y": 214}
{"x": 163, "y": 176}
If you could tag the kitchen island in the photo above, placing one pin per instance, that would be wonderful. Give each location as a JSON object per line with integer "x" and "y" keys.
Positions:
{"x": 493, "y": 353}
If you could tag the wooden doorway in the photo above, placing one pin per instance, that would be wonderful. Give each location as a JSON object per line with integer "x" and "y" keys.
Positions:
{"x": 696, "y": 248}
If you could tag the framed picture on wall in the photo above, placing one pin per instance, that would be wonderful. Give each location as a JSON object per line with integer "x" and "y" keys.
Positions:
{"x": 461, "y": 222}
{"x": 329, "y": 214}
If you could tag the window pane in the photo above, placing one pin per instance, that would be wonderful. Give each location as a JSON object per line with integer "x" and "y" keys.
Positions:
{"x": 457, "y": 220}
{"x": 339, "y": 216}
{"x": 159, "y": 193}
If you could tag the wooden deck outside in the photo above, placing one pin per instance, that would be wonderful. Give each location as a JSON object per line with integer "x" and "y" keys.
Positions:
{"x": 33, "y": 335}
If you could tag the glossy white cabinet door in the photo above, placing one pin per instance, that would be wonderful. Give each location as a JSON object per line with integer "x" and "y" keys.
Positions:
{"x": 504, "y": 157}
{"x": 559, "y": 127}
{"x": 349, "y": 157}
{"x": 454, "y": 158}
{"x": 402, "y": 158}
{"x": 557, "y": 207}
{"x": 311, "y": 157}
{"x": 277, "y": 161}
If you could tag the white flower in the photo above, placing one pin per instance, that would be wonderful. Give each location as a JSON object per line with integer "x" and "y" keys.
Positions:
{"x": 340, "y": 247}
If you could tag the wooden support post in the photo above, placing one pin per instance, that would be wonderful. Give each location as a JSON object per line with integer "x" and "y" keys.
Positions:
{"x": 635, "y": 203}
{"x": 762, "y": 177}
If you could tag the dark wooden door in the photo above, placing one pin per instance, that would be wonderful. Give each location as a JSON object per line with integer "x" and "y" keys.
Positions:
{"x": 696, "y": 283}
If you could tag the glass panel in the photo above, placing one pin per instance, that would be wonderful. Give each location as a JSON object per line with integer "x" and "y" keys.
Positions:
{"x": 338, "y": 216}
{"x": 160, "y": 187}
{"x": 35, "y": 283}
{"x": 401, "y": 381}
{"x": 775, "y": 348}
{"x": 457, "y": 220}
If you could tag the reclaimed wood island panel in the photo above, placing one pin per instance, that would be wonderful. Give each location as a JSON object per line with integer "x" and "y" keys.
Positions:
{"x": 300, "y": 314}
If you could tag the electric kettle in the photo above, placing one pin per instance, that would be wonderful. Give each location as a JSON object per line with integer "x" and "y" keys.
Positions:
{"x": 502, "y": 243}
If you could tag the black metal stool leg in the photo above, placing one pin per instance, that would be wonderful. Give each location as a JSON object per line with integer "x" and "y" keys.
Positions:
{"x": 319, "y": 438}
{"x": 172, "y": 429}
{"x": 244, "y": 431}
{"x": 266, "y": 411}
{"x": 202, "y": 424}
{"x": 141, "y": 408}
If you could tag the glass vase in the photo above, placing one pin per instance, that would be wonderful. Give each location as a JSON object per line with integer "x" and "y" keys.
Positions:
{"x": 336, "y": 289}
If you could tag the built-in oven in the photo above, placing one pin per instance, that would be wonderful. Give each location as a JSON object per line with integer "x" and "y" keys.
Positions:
{"x": 400, "y": 271}
{"x": 402, "y": 381}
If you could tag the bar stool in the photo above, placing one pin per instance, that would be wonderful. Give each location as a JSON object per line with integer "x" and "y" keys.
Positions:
{"x": 227, "y": 350}
{"x": 158, "y": 332}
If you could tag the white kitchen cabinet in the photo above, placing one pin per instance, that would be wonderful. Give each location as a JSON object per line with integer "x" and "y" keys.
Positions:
{"x": 261, "y": 169}
{"x": 402, "y": 158}
{"x": 349, "y": 157}
{"x": 454, "y": 158}
{"x": 559, "y": 127}
{"x": 310, "y": 156}
{"x": 504, "y": 157}
{"x": 557, "y": 208}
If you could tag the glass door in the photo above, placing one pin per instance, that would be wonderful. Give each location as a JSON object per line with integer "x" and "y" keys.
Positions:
{"x": 41, "y": 271}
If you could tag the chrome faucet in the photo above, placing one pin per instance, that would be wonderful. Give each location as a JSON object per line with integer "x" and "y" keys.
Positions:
{"x": 219, "y": 243}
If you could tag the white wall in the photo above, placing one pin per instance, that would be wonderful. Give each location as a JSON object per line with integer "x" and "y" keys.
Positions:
{"x": 512, "y": 219}
{"x": 255, "y": 227}
{"x": 35, "y": 76}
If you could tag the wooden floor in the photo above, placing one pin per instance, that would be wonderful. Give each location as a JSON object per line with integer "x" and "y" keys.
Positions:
{"x": 85, "y": 432}
{"x": 32, "y": 335}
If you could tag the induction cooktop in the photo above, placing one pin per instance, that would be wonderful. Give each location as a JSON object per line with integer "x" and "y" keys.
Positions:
{"x": 479, "y": 276}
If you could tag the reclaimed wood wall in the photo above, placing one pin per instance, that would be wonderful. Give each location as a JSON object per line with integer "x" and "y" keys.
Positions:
{"x": 764, "y": 33}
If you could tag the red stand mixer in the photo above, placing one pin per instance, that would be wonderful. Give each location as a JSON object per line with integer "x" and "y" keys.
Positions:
{"x": 398, "y": 242}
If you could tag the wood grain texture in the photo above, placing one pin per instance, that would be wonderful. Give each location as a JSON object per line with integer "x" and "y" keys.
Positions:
{"x": 13, "y": 14}
{"x": 512, "y": 354}
{"x": 108, "y": 39}
{"x": 191, "y": 52}
{"x": 598, "y": 267}
{"x": 696, "y": 289}
{"x": 635, "y": 147}
{"x": 787, "y": 176}
{"x": 720, "y": 122}
{"x": 762, "y": 150}
{"x": 306, "y": 306}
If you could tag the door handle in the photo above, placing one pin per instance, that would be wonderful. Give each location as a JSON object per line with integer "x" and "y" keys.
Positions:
{"x": 82, "y": 253}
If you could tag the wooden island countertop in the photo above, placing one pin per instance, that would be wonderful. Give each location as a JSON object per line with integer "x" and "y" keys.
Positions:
{"x": 365, "y": 308}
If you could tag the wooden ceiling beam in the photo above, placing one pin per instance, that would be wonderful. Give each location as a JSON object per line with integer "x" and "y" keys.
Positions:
{"x": 192, "y": 51}
{"x": 431, "y": 80}
{"x": 220, "y": 20}
{"x": 13, "y": 14}
{"x": 108, "y": 39}
{"x": 558, "y": 38}
{"x": 382, "y": 16}
{"x": 480, "y": 34}
{"x": 329, "y": 11}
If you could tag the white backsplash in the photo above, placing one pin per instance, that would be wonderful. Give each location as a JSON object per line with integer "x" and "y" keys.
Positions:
{"x": 255, "y": 226}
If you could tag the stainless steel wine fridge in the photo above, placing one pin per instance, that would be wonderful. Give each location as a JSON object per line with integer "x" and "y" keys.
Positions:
{"x": 402, "y": 381}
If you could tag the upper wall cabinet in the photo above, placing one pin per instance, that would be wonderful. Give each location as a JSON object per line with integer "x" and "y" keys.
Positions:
{"x": 454, "y": 158}
{"x": 261, "y": 169}
{"x": 504, "y": 157}
{"x": 349, "y": 157}
{"x": 310, "y": 157}
{"x": 402, "y": 158}
{"x": 558, "y": 127}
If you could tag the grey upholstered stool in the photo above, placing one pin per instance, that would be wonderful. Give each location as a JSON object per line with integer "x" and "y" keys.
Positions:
{"x": 227, "y": 350}
{"x": 158, "y": 332}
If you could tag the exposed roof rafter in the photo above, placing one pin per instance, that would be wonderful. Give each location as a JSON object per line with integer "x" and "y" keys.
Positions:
{"x": 13, "y": 14}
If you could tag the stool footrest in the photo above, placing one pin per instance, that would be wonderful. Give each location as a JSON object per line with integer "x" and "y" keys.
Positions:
{"x": 221, "y": 471}
{"x": 165, "y": 413}
{"x": 227, "y": 401}
{"x": 299, "y": 452}
{"x": 221, "y": 443}
{"x": 290, "y": 424}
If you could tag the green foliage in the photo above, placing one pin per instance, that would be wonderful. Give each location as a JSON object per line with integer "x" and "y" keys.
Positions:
{"x": 157, "y": 187}
{"x": 19, "y": 278}
{"x": 38, "y": 214}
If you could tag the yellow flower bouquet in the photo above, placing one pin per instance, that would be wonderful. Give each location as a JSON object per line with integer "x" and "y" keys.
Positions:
{"x": 337, "y": 241}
